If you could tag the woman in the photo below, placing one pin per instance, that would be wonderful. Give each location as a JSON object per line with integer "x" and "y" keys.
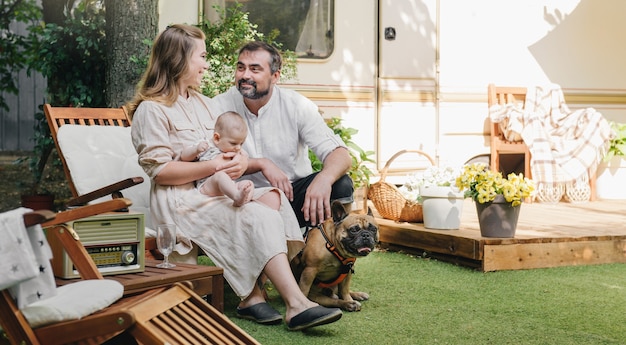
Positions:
{"x": 248, "y": 241}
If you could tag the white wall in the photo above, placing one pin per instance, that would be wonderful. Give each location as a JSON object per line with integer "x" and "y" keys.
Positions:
{"x": 177, "y": 12}
{"x": 577, "y": 44}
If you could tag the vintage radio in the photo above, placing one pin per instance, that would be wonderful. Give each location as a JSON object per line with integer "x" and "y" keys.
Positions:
{"x": 115, "y": 242}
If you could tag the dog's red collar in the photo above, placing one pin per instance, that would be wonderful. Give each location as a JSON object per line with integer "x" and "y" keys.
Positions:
{"x": 347, "y": 264}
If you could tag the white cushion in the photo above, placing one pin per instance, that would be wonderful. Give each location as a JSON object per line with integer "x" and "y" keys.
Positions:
{"x": 74, "y": 301}
{"x": 100, "y": 155}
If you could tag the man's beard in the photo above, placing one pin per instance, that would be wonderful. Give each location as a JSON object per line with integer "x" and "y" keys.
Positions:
{"x": 252, "y": 93}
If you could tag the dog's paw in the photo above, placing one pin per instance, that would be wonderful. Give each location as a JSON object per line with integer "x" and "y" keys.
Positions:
{"x": 350, "y": 306}
{"x": 359, "y": 296}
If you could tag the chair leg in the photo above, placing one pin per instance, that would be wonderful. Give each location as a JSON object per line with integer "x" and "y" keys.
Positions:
{"x": 494, "y": 161}
{"x": 527, "y": 172}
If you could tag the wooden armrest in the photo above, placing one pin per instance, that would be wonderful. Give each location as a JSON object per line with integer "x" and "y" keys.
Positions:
{"x": 88, "y": 210}
{"x": 112, "y": 189}
{"x": 38, "y": 217}
{"x": 104, "y": 323}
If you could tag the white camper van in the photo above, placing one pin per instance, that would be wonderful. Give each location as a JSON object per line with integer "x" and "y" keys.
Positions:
{"x": 413, "y": 74}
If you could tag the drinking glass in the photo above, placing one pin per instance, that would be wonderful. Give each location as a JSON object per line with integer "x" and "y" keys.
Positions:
{"x": 166, "y": 239}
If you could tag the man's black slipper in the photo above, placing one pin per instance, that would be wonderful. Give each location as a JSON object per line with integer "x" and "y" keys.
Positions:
{"x": 262, "y": 313}
{"x": 312, "y": 317}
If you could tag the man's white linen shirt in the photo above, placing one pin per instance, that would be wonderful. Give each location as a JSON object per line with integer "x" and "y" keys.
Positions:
{"x": 283, "y": 131}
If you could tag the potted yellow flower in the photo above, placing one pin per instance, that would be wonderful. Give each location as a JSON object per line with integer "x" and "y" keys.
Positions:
{"x": 498, "y": 199}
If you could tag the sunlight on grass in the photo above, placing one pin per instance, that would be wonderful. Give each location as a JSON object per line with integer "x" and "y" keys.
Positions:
{"x": 418, "y": 300}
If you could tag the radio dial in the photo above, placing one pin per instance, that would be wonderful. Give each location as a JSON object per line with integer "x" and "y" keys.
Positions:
{"x": 128, "y": 257}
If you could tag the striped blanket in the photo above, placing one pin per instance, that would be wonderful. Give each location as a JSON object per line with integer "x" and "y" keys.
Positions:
{"x": 565, "y": 145}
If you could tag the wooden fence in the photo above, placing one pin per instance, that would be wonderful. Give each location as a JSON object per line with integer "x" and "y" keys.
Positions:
{"x": 16, "y": 124}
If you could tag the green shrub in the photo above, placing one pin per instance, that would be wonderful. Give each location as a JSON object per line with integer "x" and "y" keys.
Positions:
{"x": 13, "y": 45}
{"x": 618, "y": 142}
{"x": 359, "y": 172}
{"x": 223, "y": 40}
{"x": 72, "y": 57}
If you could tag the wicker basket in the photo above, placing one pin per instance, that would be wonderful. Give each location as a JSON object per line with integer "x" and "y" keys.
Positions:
{"x": 388, "y": 200}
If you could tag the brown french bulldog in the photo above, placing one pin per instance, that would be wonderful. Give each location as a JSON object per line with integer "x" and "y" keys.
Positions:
{"x": 324, "y": 267}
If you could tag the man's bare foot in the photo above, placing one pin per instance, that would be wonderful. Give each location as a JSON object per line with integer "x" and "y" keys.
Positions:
{"x": 246, "y": 190}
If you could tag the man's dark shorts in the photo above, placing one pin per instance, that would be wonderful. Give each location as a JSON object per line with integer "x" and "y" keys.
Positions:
{"x": 343, "y": 190}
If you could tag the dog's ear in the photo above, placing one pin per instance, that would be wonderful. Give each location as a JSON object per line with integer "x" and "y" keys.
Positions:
{"x": 338, "y": 211}
{"x": 369, "y": 212}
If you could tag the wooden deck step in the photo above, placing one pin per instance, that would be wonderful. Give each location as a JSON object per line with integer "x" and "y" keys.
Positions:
{"x": 548, "y": 235}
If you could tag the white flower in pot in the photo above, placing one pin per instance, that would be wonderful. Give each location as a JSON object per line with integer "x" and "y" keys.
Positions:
{"x": 435, "y": 189}
{"x": 612, "y": 170}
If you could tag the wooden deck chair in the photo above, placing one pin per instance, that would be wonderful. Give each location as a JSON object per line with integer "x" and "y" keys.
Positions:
{"x": 100, "y": 163}
{"x": 174, "y": 315}
{"x": 499, "y": 144}
{"x": 114, "y": 172}
{"x": 59, "y": 116}
{"x": 14, "y": 322}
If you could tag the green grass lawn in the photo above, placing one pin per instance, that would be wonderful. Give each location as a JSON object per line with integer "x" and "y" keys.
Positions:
{"x": 417, "y": 300}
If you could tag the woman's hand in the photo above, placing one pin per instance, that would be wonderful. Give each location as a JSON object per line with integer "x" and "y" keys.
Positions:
{"x": 234, "y": 164}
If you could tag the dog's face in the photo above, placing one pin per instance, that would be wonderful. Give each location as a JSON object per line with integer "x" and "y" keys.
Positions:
{"x": 355, "y": 235}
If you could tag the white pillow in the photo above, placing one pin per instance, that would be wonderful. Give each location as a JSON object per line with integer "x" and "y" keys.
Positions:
{"x": 74, "y": 301}
{"x": 100, "y": 155}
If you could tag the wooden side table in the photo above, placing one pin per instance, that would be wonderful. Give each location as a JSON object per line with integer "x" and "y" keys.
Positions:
{"x": 205, "y": 280}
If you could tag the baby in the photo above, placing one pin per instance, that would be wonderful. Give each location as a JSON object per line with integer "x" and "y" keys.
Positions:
{"x": 229, "y": 134}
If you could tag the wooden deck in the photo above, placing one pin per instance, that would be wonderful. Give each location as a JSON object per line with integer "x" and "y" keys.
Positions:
{"x": 548, "y": 235}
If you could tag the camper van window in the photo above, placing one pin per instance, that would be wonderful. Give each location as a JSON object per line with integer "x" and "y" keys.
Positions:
{"x": 304, "y": 26}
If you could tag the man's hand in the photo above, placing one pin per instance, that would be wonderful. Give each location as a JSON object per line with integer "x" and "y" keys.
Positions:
{"x": 316, "y": 207}
{"x": 277, "y": 178}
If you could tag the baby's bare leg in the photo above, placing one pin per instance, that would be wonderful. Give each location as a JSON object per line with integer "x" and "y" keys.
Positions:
{"x": 210, "y": 186}
{"x": 221, "y": 184}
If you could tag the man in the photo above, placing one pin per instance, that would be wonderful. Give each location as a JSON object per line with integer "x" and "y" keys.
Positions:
{"x": 282, "y": 126}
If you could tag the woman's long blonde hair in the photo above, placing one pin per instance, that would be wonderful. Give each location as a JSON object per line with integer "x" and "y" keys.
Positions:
{"x": 169, "y": 61}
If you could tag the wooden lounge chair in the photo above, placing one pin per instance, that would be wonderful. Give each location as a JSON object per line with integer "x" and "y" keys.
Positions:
{"x": 104, "y": 166}
{"x": 173, "y": 315}
{"x": 117, "y": 117}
